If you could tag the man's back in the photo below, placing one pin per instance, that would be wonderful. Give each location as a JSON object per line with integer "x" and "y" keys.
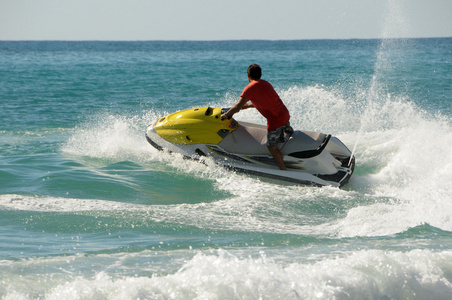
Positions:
{"x": 265, "y": 99}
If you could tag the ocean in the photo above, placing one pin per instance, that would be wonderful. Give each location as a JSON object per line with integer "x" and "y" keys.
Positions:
{"x": 90, "y": 210}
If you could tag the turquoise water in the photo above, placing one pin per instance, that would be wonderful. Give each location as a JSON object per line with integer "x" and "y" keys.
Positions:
{"x": 89, "y": 210}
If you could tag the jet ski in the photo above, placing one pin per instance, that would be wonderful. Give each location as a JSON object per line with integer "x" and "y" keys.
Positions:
{"x": 311, "y": 158}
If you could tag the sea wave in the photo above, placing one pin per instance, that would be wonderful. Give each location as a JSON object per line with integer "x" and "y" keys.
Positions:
{"x": 224, "y": 274}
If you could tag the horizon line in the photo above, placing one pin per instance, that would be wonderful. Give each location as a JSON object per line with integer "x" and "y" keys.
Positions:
{"x": 224, "y": 40}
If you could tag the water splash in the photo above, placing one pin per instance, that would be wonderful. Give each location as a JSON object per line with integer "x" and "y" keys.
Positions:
{"x": 111, "y": 136}
{"x": 390, "y": 56}
{"x": 230, "y": 274}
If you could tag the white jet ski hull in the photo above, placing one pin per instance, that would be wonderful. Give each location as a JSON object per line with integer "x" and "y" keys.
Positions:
{"x": 311, "y": 158}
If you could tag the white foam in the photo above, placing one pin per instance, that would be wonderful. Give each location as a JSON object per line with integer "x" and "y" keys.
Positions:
{"x": 265, "y": 208}
{"x": 368, "y": 274}
{"x": 405, "y": 154}
{"x": 415, "y": 173}
{"x": 60, "y": 204}
{"x": 113, "y": 137}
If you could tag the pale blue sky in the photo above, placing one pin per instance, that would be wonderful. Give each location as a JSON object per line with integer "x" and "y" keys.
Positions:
{"x": 222, "y": 20}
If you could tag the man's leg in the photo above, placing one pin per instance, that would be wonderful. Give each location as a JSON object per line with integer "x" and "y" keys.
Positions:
{"x": 277, "y": 156}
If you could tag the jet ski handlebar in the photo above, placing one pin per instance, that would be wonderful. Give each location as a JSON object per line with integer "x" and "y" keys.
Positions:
{"x": 225, "y": 110}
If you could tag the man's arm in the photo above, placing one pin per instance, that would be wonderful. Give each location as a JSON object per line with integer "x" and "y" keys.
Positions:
{"x": 248, "y": 105}
{"x": 235, "y": 108}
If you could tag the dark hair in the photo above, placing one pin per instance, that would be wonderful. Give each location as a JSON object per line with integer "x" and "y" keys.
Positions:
{"x": 255, "y": 72}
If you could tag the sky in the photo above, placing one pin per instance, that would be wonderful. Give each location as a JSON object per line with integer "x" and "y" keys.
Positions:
{"x": 223, "y": 19}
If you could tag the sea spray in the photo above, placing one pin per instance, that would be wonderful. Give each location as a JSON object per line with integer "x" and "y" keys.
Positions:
{"x": 112, "y": 136}
{"x": 389, "y": 57}
{"x": 223, "y": 274}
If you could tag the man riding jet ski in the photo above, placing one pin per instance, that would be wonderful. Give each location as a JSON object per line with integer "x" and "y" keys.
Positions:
{"x": 310, "y": 157}
{"x": 246, "y": 147}
{"x": 264, "y": 98}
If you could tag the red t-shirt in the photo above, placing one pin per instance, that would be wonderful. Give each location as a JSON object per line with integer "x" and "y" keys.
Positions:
{"x": 265, "y": 99}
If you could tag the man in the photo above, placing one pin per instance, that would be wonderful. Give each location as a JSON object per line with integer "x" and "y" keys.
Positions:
{"x": 265, "y": 99}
